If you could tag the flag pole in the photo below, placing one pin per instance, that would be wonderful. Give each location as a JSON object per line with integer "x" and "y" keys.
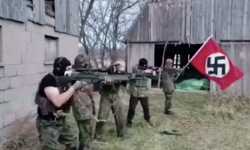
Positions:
{"x": 194, "y": 55}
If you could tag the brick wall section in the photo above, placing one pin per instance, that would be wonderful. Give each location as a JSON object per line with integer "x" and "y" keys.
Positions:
{"x": 23, "y": 59}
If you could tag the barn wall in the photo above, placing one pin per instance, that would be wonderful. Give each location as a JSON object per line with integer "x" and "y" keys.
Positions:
{"x": 193, "y": 21}
{"x": 239, "y": 54}
{"x": 13, "y": 10}
{"x": 137, "y": 51}
{"x": 140, "y": 29}
{"x": 39, "y": 11}
{"x": 67, "y": 16}
{"x": 23, "y": 64}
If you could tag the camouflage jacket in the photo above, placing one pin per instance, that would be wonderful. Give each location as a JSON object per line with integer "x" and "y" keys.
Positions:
{"x": 82, "y": 106}
{"x": 137, "y": 91}
{"x": 168, "y": 79}
{"x": 111, "y": 88}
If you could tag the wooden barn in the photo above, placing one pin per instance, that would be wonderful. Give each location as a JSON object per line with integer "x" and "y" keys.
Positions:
{"x": 185, "y": 25}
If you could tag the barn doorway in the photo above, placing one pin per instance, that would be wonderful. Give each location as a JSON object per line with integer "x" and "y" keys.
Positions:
{"x": 181, "y": 54}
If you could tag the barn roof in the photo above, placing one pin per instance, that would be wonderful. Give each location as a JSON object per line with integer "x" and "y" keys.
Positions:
{"x": 191, "y": 21}
{"x": 150, "y": 23}
{"x": 136, "y": 20}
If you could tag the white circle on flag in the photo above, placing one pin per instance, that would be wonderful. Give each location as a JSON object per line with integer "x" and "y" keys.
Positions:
{"x": 217, "y": 65}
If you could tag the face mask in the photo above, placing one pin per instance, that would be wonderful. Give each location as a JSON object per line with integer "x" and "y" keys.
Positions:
{"x": 60, "y": 66}
{"x": 68, "y": 73}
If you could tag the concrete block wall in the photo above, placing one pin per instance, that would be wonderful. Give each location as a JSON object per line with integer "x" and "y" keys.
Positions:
{"x": 23, "y": 65}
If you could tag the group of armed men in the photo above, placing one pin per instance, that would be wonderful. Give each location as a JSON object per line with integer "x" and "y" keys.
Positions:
{"x": 54, "y": 103}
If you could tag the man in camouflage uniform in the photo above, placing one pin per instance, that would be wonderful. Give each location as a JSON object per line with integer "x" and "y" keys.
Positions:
{"x": 168, "y": 84}
{"x": 110, "y": 99}
{"x": 53, "y": 104}
{"x": 82, "y": 108}
{"x": 139, "y": 92}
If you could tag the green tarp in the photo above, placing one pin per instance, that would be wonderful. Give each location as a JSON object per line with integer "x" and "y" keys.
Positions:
{"x": 193, "y": 85}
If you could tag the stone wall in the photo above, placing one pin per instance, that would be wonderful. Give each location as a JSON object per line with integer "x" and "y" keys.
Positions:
{"x": 23, "y": 52}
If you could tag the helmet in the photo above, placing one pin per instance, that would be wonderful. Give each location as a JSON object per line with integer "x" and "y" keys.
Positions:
{"x": 81, "y": 62}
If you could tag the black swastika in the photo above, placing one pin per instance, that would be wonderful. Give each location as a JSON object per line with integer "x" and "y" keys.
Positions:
{"x": 216, "y": 66}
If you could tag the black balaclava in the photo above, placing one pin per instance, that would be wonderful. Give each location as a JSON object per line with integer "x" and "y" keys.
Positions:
{"x": 60, "y": 65}
{"x": 143, "y": 62}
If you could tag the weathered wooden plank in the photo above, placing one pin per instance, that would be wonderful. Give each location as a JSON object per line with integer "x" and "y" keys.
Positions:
{"x": 206, "y": 18}
{"x": 197, "y": 20}
{"x": 39, "y": 11}
{"x": 60, "y": 16}
{"x": 138, "y": 51}
{"x": 245, "y": 19}
{"x": 248, "y": 22}
{"x": 223, "y": 22}
{"x": 202, "y": 36}
{"x": 237, "y": 19}
{"x": 135, "y": 33}
{"x": 238, "y": 62}
{"x": 244, "y": 66}
{"x": 183, "y": 21}
{"x": 50, "y": 50}
{"x": 188, "y": 21}
{"x": 72, "y": 17}
{"x": 245, "y": 56}
{"x": 13, "y": 10}
{"x": 194, "y": 19}
{"x": 67, "y": 16}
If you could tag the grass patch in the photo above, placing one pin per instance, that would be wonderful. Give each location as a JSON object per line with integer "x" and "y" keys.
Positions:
{"x": 216, "y": 124}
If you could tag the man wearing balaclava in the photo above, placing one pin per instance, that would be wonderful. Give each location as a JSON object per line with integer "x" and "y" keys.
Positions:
{"x": 139, "y": 92}
{"x": 168, "y": 74}
{"x": 53, "y": 103}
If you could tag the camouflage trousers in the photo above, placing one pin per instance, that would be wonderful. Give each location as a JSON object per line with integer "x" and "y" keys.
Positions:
{"x": 85, "y": 134}
{"x": 52, "y": 133}
{"x": 113, "y": 102}
{"x": 168, "y": 101}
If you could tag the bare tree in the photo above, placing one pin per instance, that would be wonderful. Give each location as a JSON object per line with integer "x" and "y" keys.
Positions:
{"x": 103, "y": 25}
{"x": 84, "y": 14}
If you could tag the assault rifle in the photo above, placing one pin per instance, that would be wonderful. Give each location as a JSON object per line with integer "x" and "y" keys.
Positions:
{"x": 91, "y": 76}
{"x": 96, "y": 76}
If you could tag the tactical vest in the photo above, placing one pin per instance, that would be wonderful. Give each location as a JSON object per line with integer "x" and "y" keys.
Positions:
{"x": 168, "y": 80}
{"x": 47, "y": 106}
{"x": 139, "y": 80}
{"x": 110, "y": 88}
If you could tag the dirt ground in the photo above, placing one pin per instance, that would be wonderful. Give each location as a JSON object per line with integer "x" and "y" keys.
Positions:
{"x": 204, "y": 124}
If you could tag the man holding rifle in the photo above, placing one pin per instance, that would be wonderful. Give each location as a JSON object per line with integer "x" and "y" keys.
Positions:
{"x": 53, "y": 103}
{"x": 110, "y": 99}
{"x": 139, "y": 92}
{"x": 83, "y": 108}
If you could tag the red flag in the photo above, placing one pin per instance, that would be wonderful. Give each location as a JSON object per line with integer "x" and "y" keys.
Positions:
{"x": 214, "y": 63}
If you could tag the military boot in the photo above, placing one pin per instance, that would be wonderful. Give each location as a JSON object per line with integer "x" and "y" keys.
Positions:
{"x": 150, "y": 124}
{"x": 99, "y": 139}
{"x": 129, "y": 123}
{"x": 168, "y": 112}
